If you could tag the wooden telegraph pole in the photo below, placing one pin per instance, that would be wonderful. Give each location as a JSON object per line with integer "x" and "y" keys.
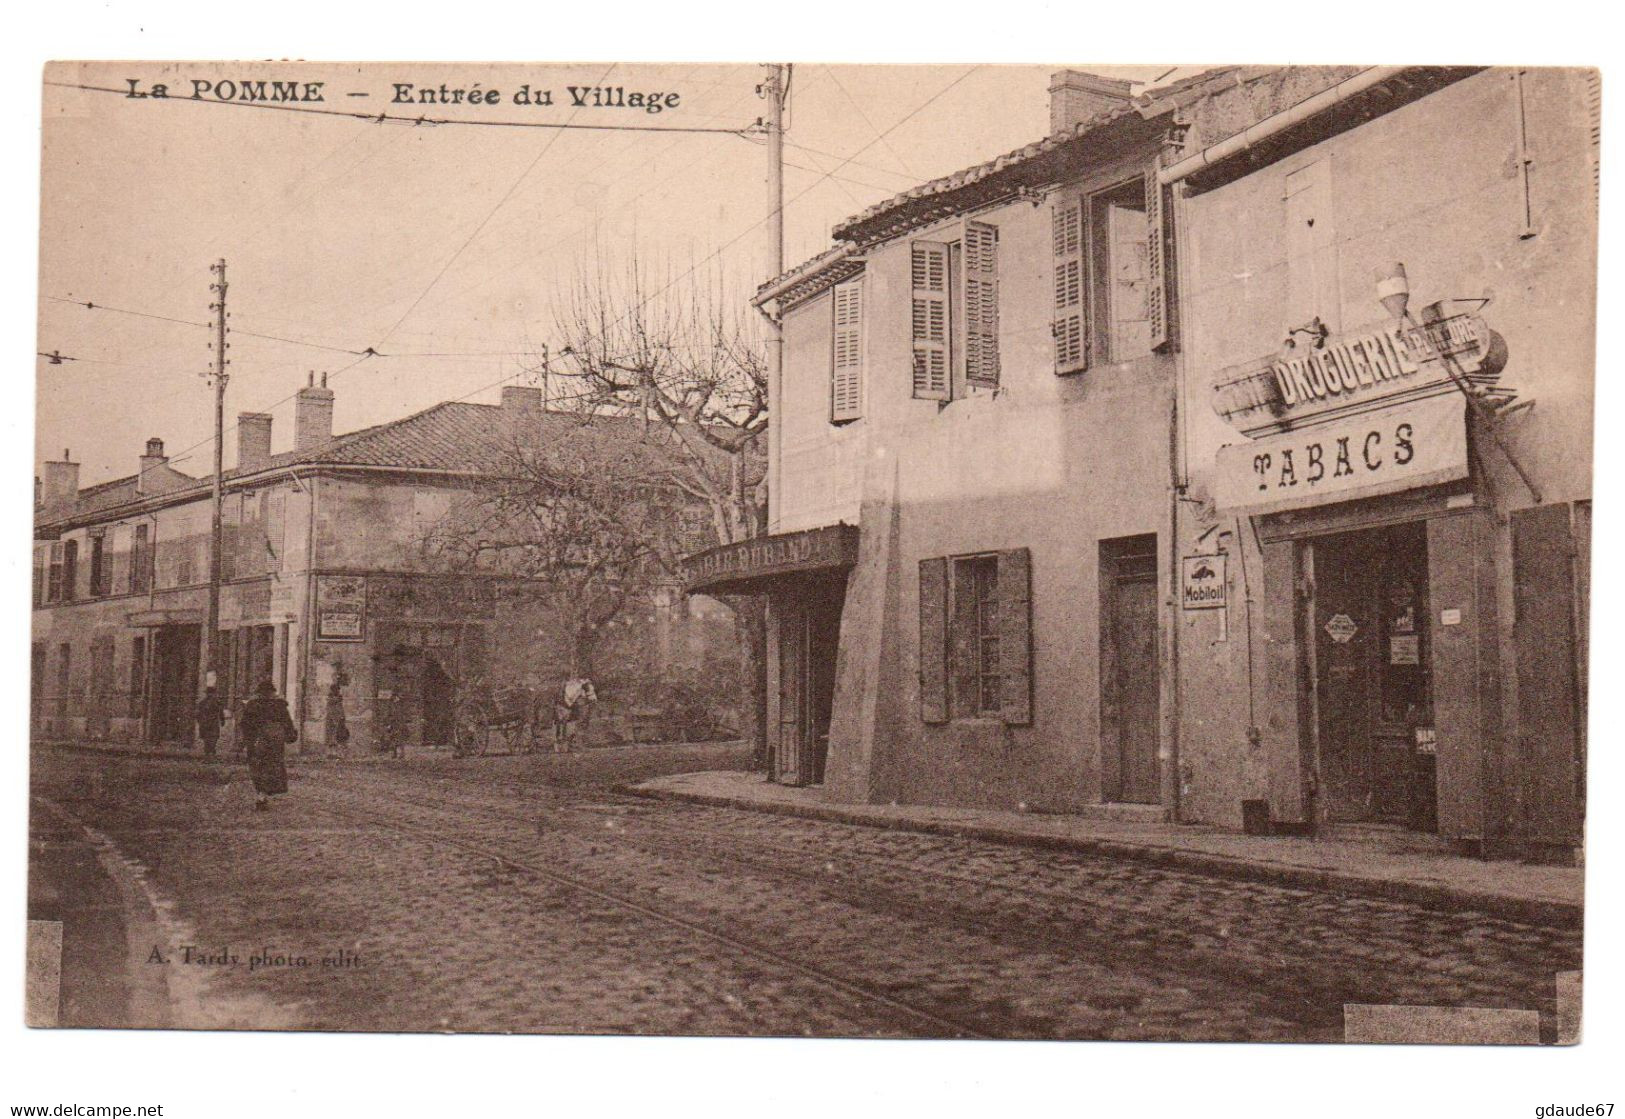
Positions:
{"x": 211, "y": 632}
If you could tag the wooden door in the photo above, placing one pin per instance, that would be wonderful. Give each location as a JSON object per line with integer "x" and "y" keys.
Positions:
{"x": 823, "y": 647}
{"x": 1134, "y": 652}
{"x": 175, "y": 683}
{"x": 787, "y": 753}
{"x": 1345, "y": 626}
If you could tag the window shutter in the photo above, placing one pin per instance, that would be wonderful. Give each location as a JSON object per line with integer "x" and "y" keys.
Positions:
{"x": 1069, "y": 325}
{"x": 929, "y": 267}
{"x": 1015, "y": 637}
{"x": 846, "y": 375}
{"x": 1158, "y": 298}
{"x": 981, "y": 303}
{"x": 934, "y": 640}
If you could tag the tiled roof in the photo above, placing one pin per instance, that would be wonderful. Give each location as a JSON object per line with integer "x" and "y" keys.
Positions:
{"x": 863, "y": 227}
{"x": 454, "y": 437}
{"x": 1151, "y": 103}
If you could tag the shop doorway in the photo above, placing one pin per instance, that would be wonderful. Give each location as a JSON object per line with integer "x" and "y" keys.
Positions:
{"x": 809, "y": 638}
{"x": 439, "y": 693}
{"x": 174, "y": 682}
{"x": 251, "y": 659}
{"x": 1130, "y": 682}
{"x": 1371, "y": 649}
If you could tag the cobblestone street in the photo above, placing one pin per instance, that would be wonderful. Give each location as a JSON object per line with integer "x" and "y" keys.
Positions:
{"x": 525, "y": 895}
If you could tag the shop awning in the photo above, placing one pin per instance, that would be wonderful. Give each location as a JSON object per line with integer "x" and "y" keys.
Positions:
{"x": 753, "y": 566}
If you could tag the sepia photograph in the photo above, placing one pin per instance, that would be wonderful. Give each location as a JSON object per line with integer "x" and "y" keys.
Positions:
{"x": 1027, "y": 552}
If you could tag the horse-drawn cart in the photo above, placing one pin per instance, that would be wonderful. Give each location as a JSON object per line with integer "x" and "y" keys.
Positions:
{"x": 500, "y": 721}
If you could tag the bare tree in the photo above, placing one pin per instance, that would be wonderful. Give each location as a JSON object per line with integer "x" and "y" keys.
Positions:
{"x": 668, "y": 352}
{"x": 590, "y": 521}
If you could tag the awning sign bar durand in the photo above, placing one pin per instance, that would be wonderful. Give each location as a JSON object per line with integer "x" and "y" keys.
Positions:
{"x": 1418, "y": 443}
{"x": 745, "y": 566}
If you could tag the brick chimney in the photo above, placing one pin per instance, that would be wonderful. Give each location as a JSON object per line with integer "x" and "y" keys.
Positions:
{"x": 60, "y": 484}
{"x": 312, "y": 415}
{"x": 1076, "y": 95}
{"x": 148, "y": 478}
{"x": 523, "y": 400}
{"x": 253, "y": 441}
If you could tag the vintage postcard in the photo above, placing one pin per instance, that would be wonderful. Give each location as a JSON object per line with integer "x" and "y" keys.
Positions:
{"x": 945, "y": 551}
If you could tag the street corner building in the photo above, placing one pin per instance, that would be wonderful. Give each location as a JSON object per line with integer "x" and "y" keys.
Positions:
{"x": 331, "y": 589}
{"x": 1223, "y": 457}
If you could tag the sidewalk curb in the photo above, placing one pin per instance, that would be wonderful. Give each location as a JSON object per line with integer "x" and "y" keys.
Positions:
{"x": 1552, "y": 914}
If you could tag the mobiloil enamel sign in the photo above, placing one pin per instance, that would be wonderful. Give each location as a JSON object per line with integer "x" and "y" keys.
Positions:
{"x": 1202, "y": 582}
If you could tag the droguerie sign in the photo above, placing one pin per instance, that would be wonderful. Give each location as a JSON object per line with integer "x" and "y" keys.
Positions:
{"x": 1358, "y": 370}
{"x": 1418, "y": 444}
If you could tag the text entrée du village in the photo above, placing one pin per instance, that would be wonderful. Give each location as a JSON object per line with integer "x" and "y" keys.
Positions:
{"x": 410, "y": 93}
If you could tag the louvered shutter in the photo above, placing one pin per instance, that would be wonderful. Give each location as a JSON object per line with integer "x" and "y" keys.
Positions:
{"x": 1069, "y": 325}
{"x": 846, "y": 374}
{"x": 929, "y": 268}
{"x": 934, "y": 640}
{"x": 1157, "y": 297}
{"x": 1016, "y": 637}
{"x": 981, "y": 304}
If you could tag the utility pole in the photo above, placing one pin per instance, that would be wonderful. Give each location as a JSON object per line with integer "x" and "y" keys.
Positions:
{"x": 211, "y": 632}
{"x": 774, "y": 89}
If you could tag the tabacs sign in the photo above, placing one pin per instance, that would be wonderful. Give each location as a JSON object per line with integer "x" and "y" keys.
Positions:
{"x": 1422, "y": 443}
{"x": 1203, "y": 583}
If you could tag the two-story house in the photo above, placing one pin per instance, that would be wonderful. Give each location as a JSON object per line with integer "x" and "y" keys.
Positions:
{"x": 330, "y": 573}
{"x": 969, "y": 543}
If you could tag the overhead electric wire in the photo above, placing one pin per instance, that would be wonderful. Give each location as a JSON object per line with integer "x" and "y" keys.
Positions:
{"x": 760, "y": 221}
{"x": 368, "y": 351}
{"x": 834, "y": 77}
{"x": 469, "y": 240}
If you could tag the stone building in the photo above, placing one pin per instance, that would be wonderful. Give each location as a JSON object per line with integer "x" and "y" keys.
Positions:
{"x": 1388, "y": 363}
{"x": 326, "y": 576}
{"x": 1016, "y": 558}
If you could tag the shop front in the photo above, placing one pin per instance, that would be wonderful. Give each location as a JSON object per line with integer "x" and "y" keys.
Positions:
{"x": 1379, "y": 598}
{"x": 175, "y": 637}
{"x": 803, "y": 575}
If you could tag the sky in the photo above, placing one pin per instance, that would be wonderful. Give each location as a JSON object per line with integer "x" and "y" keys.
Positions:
{"x": 444, "y": 247}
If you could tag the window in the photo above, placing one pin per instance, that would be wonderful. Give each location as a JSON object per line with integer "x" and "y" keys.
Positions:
{"x": 846, "y": 359}
{"x": 70, "y": 569}
{"x": 1111, "y": 293}
{"x": 138, "y": 674}
{"x": 64, "y": 670}
{"x": 40, "y": 563}
{"x": 101, "y": 675}
{"x": 141, "y": 560}
{"x": 274, "y": 517}
{"x": 976, "y": 637}
{"x": 53, "y": 585}
{"x": 99, "y": 583}
{"x": 954, "y": 313}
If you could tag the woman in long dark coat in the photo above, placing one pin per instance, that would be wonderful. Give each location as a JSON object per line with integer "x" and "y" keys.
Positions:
{"x": 267, "y": 728}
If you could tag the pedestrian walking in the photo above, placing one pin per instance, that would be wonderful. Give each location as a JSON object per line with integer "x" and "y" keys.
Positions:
{"x": 210, "y": 715}
{"x": 267, "y": 729}
{"x": 572, "y": 710}
{"x": 338, "y": 729}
